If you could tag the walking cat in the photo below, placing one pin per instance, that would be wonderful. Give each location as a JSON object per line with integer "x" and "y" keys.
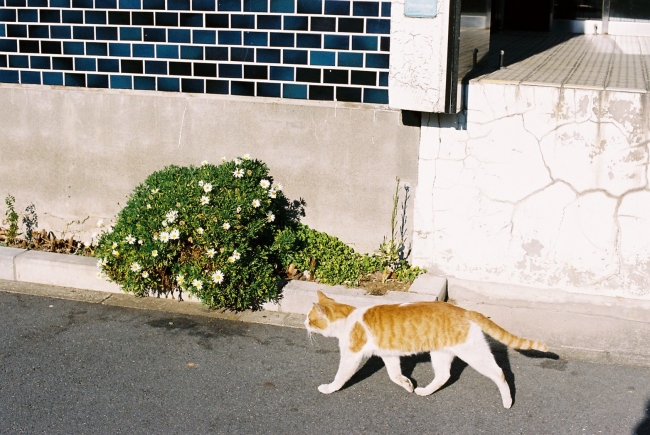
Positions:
{"x": 391, "y": 331}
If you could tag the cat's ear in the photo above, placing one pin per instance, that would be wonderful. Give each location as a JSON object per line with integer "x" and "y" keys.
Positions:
{"x": 321, "y": 296}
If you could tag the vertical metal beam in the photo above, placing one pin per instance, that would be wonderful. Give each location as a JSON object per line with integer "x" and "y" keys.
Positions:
{"x": 606, "y": 5}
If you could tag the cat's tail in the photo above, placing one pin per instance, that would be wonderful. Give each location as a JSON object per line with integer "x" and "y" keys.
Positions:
{"x": 505, "y": 337}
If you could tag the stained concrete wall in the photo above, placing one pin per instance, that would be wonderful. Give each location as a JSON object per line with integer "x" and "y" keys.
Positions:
{"x": 76, "y": 153}
{"x": 545, "y": 187}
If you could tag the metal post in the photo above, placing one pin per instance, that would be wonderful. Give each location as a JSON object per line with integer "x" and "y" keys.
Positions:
{"x": 501, "y": 60}
{"x": 606, "y": 8}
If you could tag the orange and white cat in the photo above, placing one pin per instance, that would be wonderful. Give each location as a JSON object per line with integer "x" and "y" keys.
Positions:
{"x": 391, "y": 331}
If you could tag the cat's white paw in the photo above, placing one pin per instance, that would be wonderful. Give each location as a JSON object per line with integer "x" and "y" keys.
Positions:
{"x": 326, "y": 389}
{"x": 406, "y": 384}
{"x": 507, "y": 402}
{"x": 421, "y": 391}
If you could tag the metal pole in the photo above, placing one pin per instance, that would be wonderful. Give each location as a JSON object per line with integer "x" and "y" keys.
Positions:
{"x": 606, "y": 9}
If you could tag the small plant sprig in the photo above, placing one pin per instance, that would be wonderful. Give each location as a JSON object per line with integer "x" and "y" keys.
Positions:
{"x": 30, "y": 220}
{"x": 12, "y": 219}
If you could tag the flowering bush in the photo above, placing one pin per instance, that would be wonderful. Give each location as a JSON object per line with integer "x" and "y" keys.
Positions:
{"x": 206, "y": 230}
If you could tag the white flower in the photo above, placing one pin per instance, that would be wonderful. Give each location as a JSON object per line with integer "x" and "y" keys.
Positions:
{"x": 155, "y": 190}
{"x": 204, "y": 162}
{"x": 270, "y": 217}
{"x": 135, "y": 267}
{"x": 217, "y": 277}
{"x": 236, "y": 255}
{"x": 205, "y": 200}
{"x": 99, "y": 274}
{"x": 247, "y": 156}
{"x": 148, "y": 206}
{"x": 171, "y": 215}
{"x": 207, "y": 187}
{"x": 140, "y": 242}
{"x": 226, "y": 226}
{"x": 145, "y": 274}
{"x": 115, "y": 253}
{"x": 238, "y": 173}
{"x": 201, "y": 183}
{"x": 265, "y": 184}
{"x": 277, "y": 186}
{"x": 231, "y": 259}
{"x": 272, "y": 193}
{"x": 175, "y": 234}
{"x": 154, "y": 253}
{"x": 164, "y": 237}
{"x": 197, "y": 283}
{"x": 238, "y": 209}
{"x": 237, "y": 161}
{"x": 114, "y": 245}
{"x": 100, "y": 262}
{"x": 256, "y": 203}
{"x": 199, "y": 230}
{"x": 164, "y": 224}
{"x": 100, "y": 223}
{"x": 211, "y": 252}
{"x": 155, "y": 236}
{"x": 180, "y": 279}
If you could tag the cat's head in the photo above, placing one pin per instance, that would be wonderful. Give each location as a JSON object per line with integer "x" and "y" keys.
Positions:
{"x": 324, "y": 313}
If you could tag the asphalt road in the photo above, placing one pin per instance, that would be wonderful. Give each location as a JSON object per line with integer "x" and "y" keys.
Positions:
{"x": 70, "y": 367}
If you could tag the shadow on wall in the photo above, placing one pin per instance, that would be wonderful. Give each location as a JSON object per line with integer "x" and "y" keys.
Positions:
{"x": 643, "y": 428}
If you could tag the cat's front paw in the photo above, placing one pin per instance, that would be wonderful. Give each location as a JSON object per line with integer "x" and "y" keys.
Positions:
{"x": 326, "y": 389}
{"x": 422, "y": 391}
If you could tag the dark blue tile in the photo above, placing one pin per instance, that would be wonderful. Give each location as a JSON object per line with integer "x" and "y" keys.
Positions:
{"x": 30, "y": 77}
{"x": 294, "y": 91}
{"x": 256, "y": 72}
{"x": 282, "y": 39}
{"x": 108, "y": 65}
{"x": 8, "y": 15}
{"x": 323, "y": 24}
{"x": 268, "y": 55}
{"x": 308, "y": 40}
{"x": 242, "y": 88}
{"x": 51, "y": 47}
{"x": 196, "y": 86}
{"x": 384, "y": 45}
{"x": 286, "y": 6}
{"x": 282, "y": 73}
{"x": 158, "y": 5}
{"x": 142, "y": 18}
{"x": 168, "y": 84}
{"x": 60, "y": 32}
{"x": 82, "y": 4}
{"x": 36, "y": 31}
{"x": 364, "y": 43}
{"x": 96, "y": 49}
{"x": 167, "y": 51}
{"x": 191, "y": 52}
{"x": 131, "y": 66}
{"x": 79, "y": 32}
{"x": 105, "y": 4}
{"x": 229, "y": 5}
{"x": 85, "y": 64}
{"x": 273, "y": 22}
{"x": 180, "y": 68}
{"x": 29, "y": 46}
{"x": 269, "y": 90}
{"x": 18, "y": 61}
{"x": 230, "y": 71}
{"x": 350, "y": 59}
{"x": 296, "y": 23}
{"x": 106, "y": 33}
{"x": 33, "y": 3}
{"x": 121, "y": 82}
{"x": 338, "y": 76}
{"x": 325, "y": 58}
{"x": 365, "y": 9}
{"x": 193, "y": 19}
{"x": 155, "y": 67}
{"x": 129, "y": 4}
{"x": 97, "y": 81}
{"x": 72, "y": 79}
{"x": 256, "y": 6}
{"x": 217, "y": 20}
{"x": 376, "y": 60}
{"x": 337, "y": 7}
{"x": 179, "y": 35}
{"x": 229, "y": 37}
{"x": 53, "y": 78}
{"x": 178, "y": 5}
{"x": 119, "y": 17}
{"x": 167, "y": 19}
{"x": 348, "y": 94}
{"x": 155, "y": 35}
{"x": 47, "y": 16}
{"x": 95, "y": 17}
{"x": 28, "y": 15}
{"x": 239, "y": 21}
{"x": 385, "y": 9}
{"x": 383, "y": 79}
{"x": 205, "y": 70}
{"x": 2, "y": 31}
{"x": 310, "y": 7}
{"x": 337, "y": 42}
{"x": 351, "y": 25}
{"x": 258, "y": 39}
{"x": 121, "y": 50}
{"x": 131, "y": 33}
{"x": 204, "y": 36}
{"x": 144, "y": 83}
{"x": 367, "y": 78}
{"x": 144, "y": 50}
{"x": 3, "y": 61}
{"x": 17, "y": 30}
{"x": 74, "y": 17}
{"x": 73, "y": 47}
{"x": 295, "y": 57}
{"x": 203, "y": 5}
{"x": 376, "y": 96}
{"x": 7, "y": 76}
{"x": 40, "y": 62}
{"x": 240, "y": 54}
{"x": 312, "y": 75}
{"x": 217, "y": 87}
{"x": 216, "y": 53}
{"x": 59, "y": 3}
{"x": 378, "y": 26}
{"x": 19, "y": 3}
{"x": 321, "y": 93}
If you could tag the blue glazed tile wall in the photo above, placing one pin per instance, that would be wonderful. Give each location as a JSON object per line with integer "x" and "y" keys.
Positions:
{"x": 333, "y": 50}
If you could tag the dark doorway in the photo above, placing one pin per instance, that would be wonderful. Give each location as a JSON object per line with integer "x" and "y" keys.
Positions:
{"x": 530, "y": 15}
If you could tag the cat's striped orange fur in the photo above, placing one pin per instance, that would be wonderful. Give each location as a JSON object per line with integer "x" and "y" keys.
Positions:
{"x": 390, "y": 331}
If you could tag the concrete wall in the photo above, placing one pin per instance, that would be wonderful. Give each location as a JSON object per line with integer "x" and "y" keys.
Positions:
{"x": 536, "y": 186}
{"x": 76, "y": 153}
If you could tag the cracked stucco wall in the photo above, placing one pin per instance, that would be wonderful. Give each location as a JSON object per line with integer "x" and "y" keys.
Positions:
{"x": 538, "y": 186}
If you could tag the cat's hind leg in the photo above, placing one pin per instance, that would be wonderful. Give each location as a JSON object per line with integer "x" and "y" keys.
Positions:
{"x": 441, "y": 362}
{"x": 394, "y": 370}
{"x": 348, "y": 366}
